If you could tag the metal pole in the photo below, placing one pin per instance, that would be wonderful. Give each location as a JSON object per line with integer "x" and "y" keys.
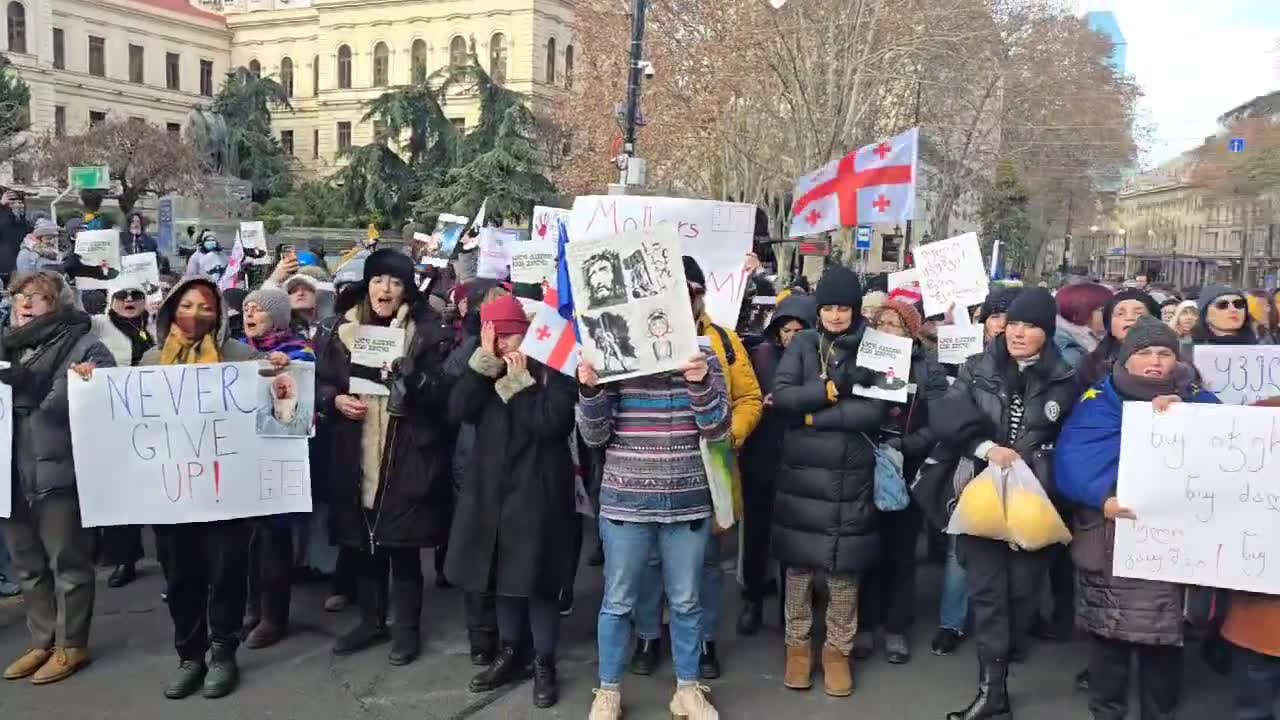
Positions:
{"x": 633, "y": 82}
{"x": 53, "y": 204}
{"x": 1066, "y": 238}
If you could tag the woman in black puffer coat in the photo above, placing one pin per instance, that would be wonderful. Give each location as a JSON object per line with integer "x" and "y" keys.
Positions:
{"x": 824, "y": 516}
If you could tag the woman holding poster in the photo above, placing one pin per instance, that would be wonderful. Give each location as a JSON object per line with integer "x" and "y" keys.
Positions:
{"x": 52, "y": 554}
{"x": 1007, "y": 404}
{"x": 389, "y": 451}
{"x": 1124, "y": 616}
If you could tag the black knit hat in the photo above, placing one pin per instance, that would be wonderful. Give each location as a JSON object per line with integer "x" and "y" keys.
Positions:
{"x": 1128, "y": 294}
{"x": 393, "y": 263}
{"x": 839, "y": 286}
{"x": 997, "y": 302}
{"x": 1036, "y": 307}
{"x": 693, "y": 272}
{"x": 1147, "y": 332}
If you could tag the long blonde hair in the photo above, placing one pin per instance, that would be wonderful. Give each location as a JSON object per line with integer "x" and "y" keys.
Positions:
{"x": 1176, "y": 320}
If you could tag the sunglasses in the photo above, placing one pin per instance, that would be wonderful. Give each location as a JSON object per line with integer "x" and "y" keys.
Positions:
{"x": 133, "y": 295}
{"x": 1238, "y": 304}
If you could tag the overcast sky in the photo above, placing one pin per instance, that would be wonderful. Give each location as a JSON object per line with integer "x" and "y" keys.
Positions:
{"x": 1196, "y": 59}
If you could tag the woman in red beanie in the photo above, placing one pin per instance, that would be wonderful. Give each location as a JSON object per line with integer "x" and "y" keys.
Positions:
{"x": 515, "y": 514}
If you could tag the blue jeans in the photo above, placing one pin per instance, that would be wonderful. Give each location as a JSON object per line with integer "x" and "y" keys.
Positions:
{"x": 627, "y": 547}
{"x": 1257, "y": 685}
{"x": 955, "y": 596}
{"x": 648, "y": 614}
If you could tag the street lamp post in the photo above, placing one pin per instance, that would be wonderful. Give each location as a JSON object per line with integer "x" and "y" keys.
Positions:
{"x": 1124, "y": 251}
{"x": 633, "y": 84}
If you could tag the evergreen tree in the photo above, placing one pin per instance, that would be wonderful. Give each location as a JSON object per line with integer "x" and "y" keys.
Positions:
{"x": 250, "y": 150}
{"x": 1004, "y": 215}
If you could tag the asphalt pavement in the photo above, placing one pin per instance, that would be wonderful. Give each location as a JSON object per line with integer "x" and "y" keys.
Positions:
{"x": 301, "y": 679}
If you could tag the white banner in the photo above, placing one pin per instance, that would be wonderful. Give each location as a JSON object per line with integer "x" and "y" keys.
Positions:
{"x": 534, "y": 262}
{"x": 375, "y": 347}
{"x": 167, "y": 444}
{"x": 1204, "y": 484}
{"x": 951, "y": 272}
{"x": 957, "y": 343}
{"x": 1240, "y": 374}
{"x": 139, "y": 271}
{"x": 890, "y": 356}
{"x": 6, "y": 450}
{"x": 716, "y": 234}
{"x": 495, "y": 253}
{"x": 547, "y": 221}
{"x": 97, "y": 248}
{"x": 253, "y": 235}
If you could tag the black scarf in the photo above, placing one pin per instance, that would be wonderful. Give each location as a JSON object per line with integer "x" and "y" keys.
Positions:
{"x": 140, "y": 341}
{"x": 40, "y": 347}
{"x": 1244, "y": 336}
{"x": 1180, "y": 382}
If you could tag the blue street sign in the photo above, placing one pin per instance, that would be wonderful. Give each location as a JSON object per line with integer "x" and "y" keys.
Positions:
{"x": 1236, "y": 145}
{"x": 864, "y": 238}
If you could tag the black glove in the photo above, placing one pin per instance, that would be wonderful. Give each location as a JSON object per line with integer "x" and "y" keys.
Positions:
{"x": 364, "y": 372}
{"x": 14, "y": 375}
{"x": 854, "y": 375}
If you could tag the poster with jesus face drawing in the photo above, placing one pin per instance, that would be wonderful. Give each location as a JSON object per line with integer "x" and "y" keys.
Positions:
{"x": 634, "y": 316}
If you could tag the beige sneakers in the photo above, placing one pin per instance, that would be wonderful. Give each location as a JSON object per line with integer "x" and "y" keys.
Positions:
{"x": 690, "y": 703}
{"x": 64, "y": 663}
{"x": 28, "y": 664}
{"x": 799, "y": 671}
{"x": 607, "y": 705}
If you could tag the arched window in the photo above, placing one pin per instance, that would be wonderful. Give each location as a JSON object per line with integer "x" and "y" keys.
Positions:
{"x": 344, "y": 67}
{"x": 381, "y": 63}
{"x": 255, "y": 68}
{"x": 457, "y": 52}
{"x": 498, "y": 58}
{"x": 286, "y": 76}
{"x": 568, "y": 66}
{"x": 418, "y": 60}
{"x": 551, "y": 61}
{"x": 315, "y": 76}
{"x": 17, "y": 16}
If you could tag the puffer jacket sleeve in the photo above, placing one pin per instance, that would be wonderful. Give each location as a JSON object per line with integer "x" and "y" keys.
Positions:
{"x": 955, "y": 418}
{"x": 796, "y": 388}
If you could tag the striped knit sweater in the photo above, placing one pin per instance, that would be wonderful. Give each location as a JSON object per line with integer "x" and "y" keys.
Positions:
{"x": 650, "y": 427}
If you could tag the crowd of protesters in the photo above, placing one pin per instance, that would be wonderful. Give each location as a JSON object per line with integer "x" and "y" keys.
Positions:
{"x": 476, "y": 451}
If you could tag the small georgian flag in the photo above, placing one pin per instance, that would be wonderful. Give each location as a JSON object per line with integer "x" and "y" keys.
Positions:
{"x": 552, "y": 341}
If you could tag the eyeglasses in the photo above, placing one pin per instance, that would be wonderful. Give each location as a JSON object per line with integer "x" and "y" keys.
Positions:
{"x": 1238, "y": 304}
{"x": 129, "y": 295}
{"x": 23, "y": 298}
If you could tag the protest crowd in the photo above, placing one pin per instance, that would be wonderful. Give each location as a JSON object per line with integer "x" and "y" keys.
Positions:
{"x": 774, "y": 431}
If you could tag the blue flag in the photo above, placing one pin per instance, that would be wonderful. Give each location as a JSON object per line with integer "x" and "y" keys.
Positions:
{"x": 564, "y": 291}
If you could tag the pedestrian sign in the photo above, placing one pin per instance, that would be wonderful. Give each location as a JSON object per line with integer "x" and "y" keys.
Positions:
{"x": 1237, "y": 145}
{"x": 89, "y": 177}
{"x": 864, "y": 238}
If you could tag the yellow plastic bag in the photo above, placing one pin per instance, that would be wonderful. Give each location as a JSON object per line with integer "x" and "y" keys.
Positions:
{"x": 980, "y": 509}
{"x": 1032, "y": 519}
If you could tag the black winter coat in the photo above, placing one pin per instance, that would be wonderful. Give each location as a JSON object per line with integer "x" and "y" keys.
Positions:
{"x": 908, "y": 423}
{"x": 824, "y": 513}
{"x": 976, "y": 408}
{"x": 13, "y": 230}
{"x": 515, "y": 509}
{"x": 413, "y": 502}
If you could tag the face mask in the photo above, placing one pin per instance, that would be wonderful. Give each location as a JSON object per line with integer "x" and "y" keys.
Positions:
{"x": 194, "y": 327}
{"x": 210, "y": 245}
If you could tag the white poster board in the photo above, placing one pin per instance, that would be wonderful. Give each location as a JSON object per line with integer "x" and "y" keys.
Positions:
{"x": 547, "y": 221}
{"x": 534, "y": 262}
{"x": 140, "y": 271}
{"x": 1204, "y": 484}
{"x": 170, "y": 444}
{"x": 957, "y": 343}
{"x": 1240, "y": 374}
{"x": 6, "y": 450}
{"x": 890, "y": 356}
{"x": 716, "y": 234}
{"x": 375, "y": 347}
{"x": 495, "y": 253}
{"x": 632, "y": 303}
{"x": 97, "y": 248}
{"x": 253, "y": 235}
{"x": 951, "y": 271}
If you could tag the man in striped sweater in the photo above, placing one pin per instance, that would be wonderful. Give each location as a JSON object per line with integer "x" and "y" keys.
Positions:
{"x": 654, "y": 494}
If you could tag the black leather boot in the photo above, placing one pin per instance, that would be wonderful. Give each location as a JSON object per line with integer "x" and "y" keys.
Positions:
{"x": 405, "y": 639}
{"x": 546, "y": 689}
{"x": 750, "y": 618}
{"x": 645, "y": 659}
{"x": 708, "y": 661}
{"x": 371, "y": 596}
{"x": 992, "y": 700}
{"x": 509, "y": 666}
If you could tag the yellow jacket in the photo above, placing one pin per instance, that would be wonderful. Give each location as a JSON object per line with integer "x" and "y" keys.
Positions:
{"x": 745, "y": 398}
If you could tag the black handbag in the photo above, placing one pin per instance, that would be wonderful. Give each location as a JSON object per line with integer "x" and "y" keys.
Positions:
{"x": 933, "y": 488}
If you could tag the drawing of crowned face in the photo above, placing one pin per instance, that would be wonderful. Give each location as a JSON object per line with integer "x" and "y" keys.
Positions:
{"x": 658, "y": 326}
{"x": 600, "y": 280}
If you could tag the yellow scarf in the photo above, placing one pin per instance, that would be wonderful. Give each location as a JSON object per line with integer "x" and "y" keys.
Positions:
{"x": 181, "y": 350}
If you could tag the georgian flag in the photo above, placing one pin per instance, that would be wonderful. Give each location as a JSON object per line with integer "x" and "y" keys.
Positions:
{"x": 552, "y": 339}
{"x": 874, "y": 184}
{"x": 822, "y": 213}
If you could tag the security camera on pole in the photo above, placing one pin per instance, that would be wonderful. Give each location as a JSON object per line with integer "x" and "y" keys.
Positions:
{"x": 632, "y": 168}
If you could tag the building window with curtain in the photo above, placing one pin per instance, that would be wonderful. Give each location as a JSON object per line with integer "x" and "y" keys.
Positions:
{"x": 206, "y": 78}
{"x": 381, "y": 64}
{"x": 344, "y": 67}
{"x": 457, "y": 53}
{"x": 136, "y": 62}
{"x": 172, "y": 71}
{"x": 498, "y": 58}
{"x": 17, "y": 16}
{"x": 255, "y": 68}
{"x": 286, "y": 76}
{"x": 551, "y": 61}
{"x": 59, "y": 120}
{"x": 286, "y": 141}
{"x": 344, "y": 136}
{"x": 315, "y": 144}
{"x": 315, "y": 76}
{"x": 568, "y": 66}
{"x": 59, "y": 49}
{"x": 418, "y": 60}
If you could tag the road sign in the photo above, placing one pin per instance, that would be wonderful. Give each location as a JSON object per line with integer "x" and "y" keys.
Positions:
{"x": 815, "y": 247}
{"x": 89, "y": 177}
{"x": 864, "y": 238}
{"x": 1236, "y": 145}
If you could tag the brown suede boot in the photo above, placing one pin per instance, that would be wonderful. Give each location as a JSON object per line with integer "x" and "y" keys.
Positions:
{"x": 798, "y": 675}
{"x": 837, "y": 672}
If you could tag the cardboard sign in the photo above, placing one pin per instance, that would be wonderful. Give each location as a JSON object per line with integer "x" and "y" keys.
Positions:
{"x": 253, "y": 235}
{"x": 97, "y": 248}
{"x": 534, "y": 262}
{"x": 890, "y": 356}
{"x": 716, "y": 234}
{"x": 1240, "y": 374}
{"x": 957, "y": 343}
{"x": 375, "y": 347}
{"x": 139, "y": 271}
{"x": 1204, "y": 484}
{"x": 495, "y": 253}
{"x": 632, "y": 303}
{"x": 951, "y": 272}
{"x": 170, "y": 444}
